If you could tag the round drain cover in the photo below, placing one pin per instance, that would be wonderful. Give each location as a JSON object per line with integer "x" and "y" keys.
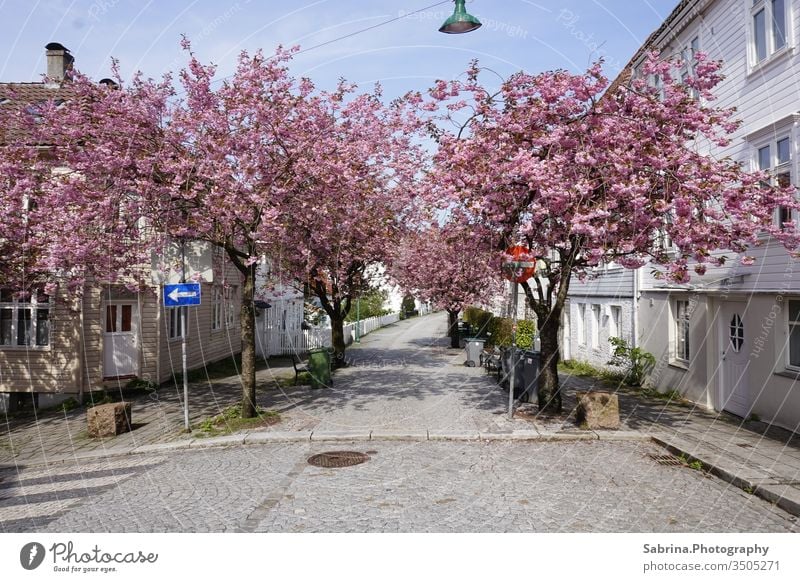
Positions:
{"x": 334, "y": 459}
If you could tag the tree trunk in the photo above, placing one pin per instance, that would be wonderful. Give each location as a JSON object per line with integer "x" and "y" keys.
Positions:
{"x": 549, "y": 388}
{"x": 247, "y": 320}
{"x": 452, "y": 327}
{"x": 337, "y": 339}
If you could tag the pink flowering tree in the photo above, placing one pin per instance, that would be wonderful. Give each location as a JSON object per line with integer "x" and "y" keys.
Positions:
{"x": 242, "y": 165}
{"x": 450, "y": 265}
{"x": 342, "y": 222}
{"x": 584, "y": 177}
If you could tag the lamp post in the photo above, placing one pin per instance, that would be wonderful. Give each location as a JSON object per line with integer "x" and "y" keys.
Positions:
{"x": 461, "y": 21}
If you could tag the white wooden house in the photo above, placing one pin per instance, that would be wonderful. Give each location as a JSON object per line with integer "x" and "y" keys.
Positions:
{"x": 730, "y": 340}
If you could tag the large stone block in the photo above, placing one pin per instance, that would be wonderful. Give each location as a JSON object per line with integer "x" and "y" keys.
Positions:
{"x": 598, "y": 410}
{"x": 109, "y": 419}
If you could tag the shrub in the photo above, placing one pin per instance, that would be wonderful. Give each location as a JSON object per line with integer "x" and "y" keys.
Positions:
{"x": 636, "y": 362}
{"x": 526, "y": 330}
{"x": 500, "y": 330}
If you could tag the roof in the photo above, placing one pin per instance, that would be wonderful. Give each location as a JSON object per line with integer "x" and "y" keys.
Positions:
{"x": 668, "y": 26}
{"x": 33, "y": 92}
{"x": 14, "y": 94}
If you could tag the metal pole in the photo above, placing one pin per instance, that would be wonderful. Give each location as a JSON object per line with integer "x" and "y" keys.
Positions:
{"x": 185, "y": 375}
{"x": 513, "y": 350}
{"x": 183, "y": 313}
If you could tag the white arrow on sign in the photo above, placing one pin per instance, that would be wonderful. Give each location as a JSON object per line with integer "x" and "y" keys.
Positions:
{"x": 176, "y": 294}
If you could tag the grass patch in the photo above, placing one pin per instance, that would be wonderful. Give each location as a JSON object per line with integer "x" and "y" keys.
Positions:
{"x": 303, "y": 379}
{"x": 610, "y": 378}
{"x": 671, "y": 395}
{"x": 614, "y": 379}
{"x": 230, "y": 366}
{"x": 230, "y": 420}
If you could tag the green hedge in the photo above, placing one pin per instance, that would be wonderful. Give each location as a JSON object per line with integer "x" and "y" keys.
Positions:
{"x": 478, "y": 319}
{"x": 499, "y": 328}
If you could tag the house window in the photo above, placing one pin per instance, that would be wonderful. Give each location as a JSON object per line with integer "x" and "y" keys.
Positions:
{"x": 582, "y": 324}
{"x": 615, "y": 321}
{"x": 178, "y": 322}
{"x": 682, "y": 331}
{"x": 768, "y": 28}
{"x": 216, "y": 308}
{"x": 24, "y": 319}
{"x": 595, "y": 327}
{"x": 230, "y": 306}
{"x": 794, "y": 334}
{"x": 687, "y": 57}
{"x": 775, "y": 158}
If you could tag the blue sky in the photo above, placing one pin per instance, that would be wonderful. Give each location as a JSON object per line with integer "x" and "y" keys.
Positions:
{"x": 408, "y": 53}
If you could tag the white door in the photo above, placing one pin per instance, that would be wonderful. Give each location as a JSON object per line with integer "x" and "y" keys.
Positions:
{"x": 120, "y": 345}
{"x": 734, "y": 387}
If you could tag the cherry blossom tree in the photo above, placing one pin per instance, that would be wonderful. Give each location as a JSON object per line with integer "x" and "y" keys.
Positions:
{"x": 450, "y": 264}
{"x": 347, "y": 215}
{"x": 243, "y": 165}
{"x": 586, "y": 178}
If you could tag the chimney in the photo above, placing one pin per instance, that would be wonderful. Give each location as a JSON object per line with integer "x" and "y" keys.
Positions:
{"x": 59, "y": 61}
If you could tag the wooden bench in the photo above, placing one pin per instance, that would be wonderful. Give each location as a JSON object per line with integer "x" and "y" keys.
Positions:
{"x": 299, "y": 367}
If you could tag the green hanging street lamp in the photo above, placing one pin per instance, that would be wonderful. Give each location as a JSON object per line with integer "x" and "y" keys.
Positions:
{"x": 460, "y": 22}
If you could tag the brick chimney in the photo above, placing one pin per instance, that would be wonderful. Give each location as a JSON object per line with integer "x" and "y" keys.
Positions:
{"x": 59, "y": 61}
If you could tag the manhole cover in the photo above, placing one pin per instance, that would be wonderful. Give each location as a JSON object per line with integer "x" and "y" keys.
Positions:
{"x": 667, "y": 460}
{"x": 335, "y": 459}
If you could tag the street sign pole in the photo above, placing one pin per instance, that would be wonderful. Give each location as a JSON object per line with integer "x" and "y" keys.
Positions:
{"x": 513, "y": 350}
{"x": 520, "y": 267}
{"x": 183, "y": 313}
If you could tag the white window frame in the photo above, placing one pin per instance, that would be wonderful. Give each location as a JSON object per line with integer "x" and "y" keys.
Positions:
{"x": 596, "y": 314}
{"x": 177, "y": 323}
{"x": 582, "y": 324}
{"x": 772, "y": 46}
{"x": 231, "y": 293}
{"x": 688, "y": 50}
{"x": 776, "y": 166}
{"x": 615, "y": 321}
{"x": 682, "y": 327}
{"x": 13, "y": 305}
{"x": 216, "y": 308}
{"x": 791, "y": 325}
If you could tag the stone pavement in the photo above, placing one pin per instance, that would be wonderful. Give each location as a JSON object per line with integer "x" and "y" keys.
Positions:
{"x": 499, "y": 486}
{"x": 404, "y": 384}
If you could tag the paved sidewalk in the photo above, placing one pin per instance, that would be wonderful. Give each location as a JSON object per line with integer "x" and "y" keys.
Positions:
{"x": 405, "y": 384}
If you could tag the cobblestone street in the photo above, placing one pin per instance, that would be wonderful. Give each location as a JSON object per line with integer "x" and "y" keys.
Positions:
{"x": 443, "y": 457}
{"x": 403, "y": 487}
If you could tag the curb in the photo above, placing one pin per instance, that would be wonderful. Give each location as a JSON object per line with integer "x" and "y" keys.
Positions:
{"x": 260, "y": 438}
{"x": 765, "y": 486}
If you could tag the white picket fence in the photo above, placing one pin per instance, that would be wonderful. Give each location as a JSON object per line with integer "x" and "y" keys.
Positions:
{"x": 272, "y": 340}
{"x": 370, "y": 324}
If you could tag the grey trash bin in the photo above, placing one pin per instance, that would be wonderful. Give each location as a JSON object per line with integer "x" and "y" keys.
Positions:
{"x": 474, "y": 349}
{"x": 530, "y": 375}
{"x": 509, "y": 355}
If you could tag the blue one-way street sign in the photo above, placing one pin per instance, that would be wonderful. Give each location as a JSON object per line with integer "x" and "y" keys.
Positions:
{"x": 182, "y": 294}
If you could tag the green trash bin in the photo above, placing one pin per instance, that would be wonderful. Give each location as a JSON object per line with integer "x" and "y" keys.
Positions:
{"x": 319, "y": 367}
